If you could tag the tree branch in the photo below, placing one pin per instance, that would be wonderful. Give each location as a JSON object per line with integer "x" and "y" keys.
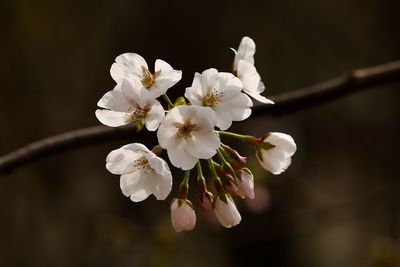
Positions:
{"x": 314, "y": 95}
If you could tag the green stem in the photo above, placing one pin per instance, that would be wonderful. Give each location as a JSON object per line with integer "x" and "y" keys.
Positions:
{"x": 200, "y": 178}
{"x": 199, "y": 170}
{"x": 245, "y": 138}
{"x": 217, "y": 180}
{"x": 224, "y": 162}
{"x": 184, "y": 186}
{"x": 166, "y": 98}
{"x": 227, "y": 156}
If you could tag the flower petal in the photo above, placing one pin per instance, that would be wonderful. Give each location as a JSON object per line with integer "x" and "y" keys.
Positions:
{"x": 167, "y": 77}
{"x": 249, "y": 76}
{"x": 179, "y": 155}
{"x": 166, "y": 132}
{"x": 203, "y": 146}
{"x": 114, "y": 100}
{"x": 251, "y": 80}
{"x": 162, "y": 186}
{"x": 112, "y": 118}
{"x": 137, "y": 184}
{"x": 197, "y": 91}
{"x": 246, "y": 51}
{"x": 275, "y": 161}
{"x": 154, "y": 117}
{"x": 210, "y": 77}
{"x": 283, "y": 141}
{"x": 120, "y": 161}
{"x": 127, "y": 66}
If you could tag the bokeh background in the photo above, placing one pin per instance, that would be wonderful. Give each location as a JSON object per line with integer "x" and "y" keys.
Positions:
{"x": 337, "y": 205}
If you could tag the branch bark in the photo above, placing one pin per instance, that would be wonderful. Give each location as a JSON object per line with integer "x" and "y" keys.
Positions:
{"x": 286, "y": 103}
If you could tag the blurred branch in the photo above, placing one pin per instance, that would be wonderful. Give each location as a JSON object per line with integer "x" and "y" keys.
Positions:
{"x": 314, "y": 95}
{"x": 341, "y": 86}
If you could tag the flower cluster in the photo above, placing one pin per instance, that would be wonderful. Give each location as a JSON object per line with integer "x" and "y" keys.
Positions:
{"x": 190, "y": 129}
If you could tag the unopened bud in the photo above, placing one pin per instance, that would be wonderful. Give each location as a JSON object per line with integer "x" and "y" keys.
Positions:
{"x": 183, "y": 217}
{"x": 245, "y": 182}
{"x": 206, "y": 199}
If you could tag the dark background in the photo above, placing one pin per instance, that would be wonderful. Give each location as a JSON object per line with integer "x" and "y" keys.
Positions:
{"x": 337, "y": 205}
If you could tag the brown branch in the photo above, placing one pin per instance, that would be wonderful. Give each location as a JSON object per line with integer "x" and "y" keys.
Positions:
{"x": 314, "y": 95}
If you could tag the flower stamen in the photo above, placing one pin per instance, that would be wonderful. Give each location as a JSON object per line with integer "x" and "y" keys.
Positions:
{"x": 142, "y": 164}
{"x": 136, "y": 114}
{"x": 212, "y": 98}
{"x": 148, "y": 78}
{"x": 185, "y": 129}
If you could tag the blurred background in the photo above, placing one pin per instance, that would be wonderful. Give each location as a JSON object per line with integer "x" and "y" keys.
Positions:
{"x": 337, "y": 205}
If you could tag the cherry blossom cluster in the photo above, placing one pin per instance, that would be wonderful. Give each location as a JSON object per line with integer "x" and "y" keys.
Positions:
{"x": 190, "y": 130}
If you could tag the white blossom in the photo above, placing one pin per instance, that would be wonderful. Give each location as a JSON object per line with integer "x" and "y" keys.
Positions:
{"x": 142, "y": 172}
{"x": 220, "y": 91}
{"x": 130, "y": 103}
{"x": 275, "y": 153}
{"x": 187, "y": 133}
{"x": 183, "y": 217}
{"x": 245, "y": 70}
{"x": 226, "y": 211}
{"x": 133, "y": 66}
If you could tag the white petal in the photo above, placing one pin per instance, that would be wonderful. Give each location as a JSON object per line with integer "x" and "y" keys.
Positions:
{"x": 246, "y": 51}
{"x": 167, "y": 78}
{"x": 112, "y": 118}
{"x": 131, "y": 90}
{"x": 137, "y": 147}
{"x": 260, "y": 98}
{"x": 249, "y": 76}
{"x": 114, "y": 100}
{"x": 228, "y": 84}
{"x": 209, "y": 77}
{"x": 282, "y": 141}
{"x": 158, "y": 164}
{"x": 154, "y": 117}
{"x": 137, "y": 184}
{"x": 162, "y": 187}
{"x": 223, "y": 117}
{"x": 260, "y": 87}
{"x": 127, "y": 66}
{"x": 120, "y": 161}
{"x": 203, "y": 146}
{"x": 128, "y": 183}
{"x": 197, "y": 91}
{"x": 166, "y": 132}
{"x": 179, "y": 155}
{"x": 203, "y": 116}
{"x": 120, "y": 72}
{"x": 239, "y": 107}
{"x": 275, "y": 161}
{"x": 251, "y": 80}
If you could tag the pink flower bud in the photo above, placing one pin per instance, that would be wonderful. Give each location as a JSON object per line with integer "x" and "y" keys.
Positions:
{"x": 234, "y": 189}
{"x": 245, "y": 182}
{"x": 182, "y": 215}
{"x": 206, "y": 199}
{"x": 226, "y": 211}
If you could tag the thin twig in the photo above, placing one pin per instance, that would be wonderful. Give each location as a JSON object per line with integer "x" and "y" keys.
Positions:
{"x": 314, "y": 95}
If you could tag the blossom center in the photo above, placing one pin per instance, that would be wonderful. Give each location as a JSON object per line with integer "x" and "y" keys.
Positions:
{"x": 142, "y": 164}
{"x": 185, "y": 130}
{"x": 136, "y": 114}
{"x": 213, "y": 98}
{"x": 148, "y": 78}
